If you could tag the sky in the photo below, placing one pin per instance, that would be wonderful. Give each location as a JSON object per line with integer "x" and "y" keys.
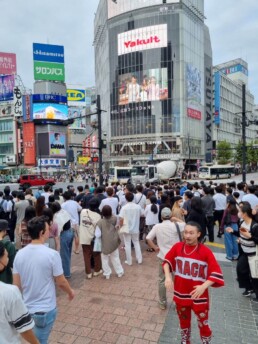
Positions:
{"x": 233, "y": 28}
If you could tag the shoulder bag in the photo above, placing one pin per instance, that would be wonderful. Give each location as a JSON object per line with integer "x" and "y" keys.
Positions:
{"x": 253, "y": 264}
{"x": 178, "y": 231}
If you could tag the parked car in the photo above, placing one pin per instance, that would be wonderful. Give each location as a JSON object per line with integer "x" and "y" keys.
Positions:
{"x": 28, "y": 180}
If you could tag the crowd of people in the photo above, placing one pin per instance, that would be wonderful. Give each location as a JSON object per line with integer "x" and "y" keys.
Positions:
{"x": 40, "y": 230}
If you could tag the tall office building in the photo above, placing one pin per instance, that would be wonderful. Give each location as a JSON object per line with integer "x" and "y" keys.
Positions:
{"x": 154, "y": 75}
{"x": 228, "y": 80}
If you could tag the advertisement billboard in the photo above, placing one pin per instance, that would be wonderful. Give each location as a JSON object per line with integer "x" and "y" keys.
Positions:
{"x": 50, "y": 111}
{"x": 17, "y": 100}
{"x": 57, "y": 144}
{"x": 49, "y": 98}
{"x": 194, "y": 92}
{"x": 49, "y": 71}
{"x": 149, "y": 85}
{"x": 7, "y": 83}
{"x": 77, "y": 113}
{"x": 75, "y": 95}
{"x": 149, "y": 37}
{"x": 27, "y": 108}
{"x": 29, "y": 144}
{"x": 48, "y": 53}
{"x": 123, "y": 6}
{"x": 7, "y": 63}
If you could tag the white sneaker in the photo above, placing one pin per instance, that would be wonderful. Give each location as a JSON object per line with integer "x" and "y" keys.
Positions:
{"x": 97, "y": 273}
{"x": 107, "y": 277}
{"x": 120, "y": 275}
{"x": 126, "y": 262}
{"x": 89, "y": 276}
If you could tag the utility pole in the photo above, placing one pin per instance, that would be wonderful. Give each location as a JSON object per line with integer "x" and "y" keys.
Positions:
{"x": 244, "y": 134}
{"x": 99, "y": 139}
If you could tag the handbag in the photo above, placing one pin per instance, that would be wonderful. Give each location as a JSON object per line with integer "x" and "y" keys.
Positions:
{"x": 124, "y": 229}
{"x": 178, "y": 231}
{"x": 253, "y": 264}
{"x": 97, "y": 245}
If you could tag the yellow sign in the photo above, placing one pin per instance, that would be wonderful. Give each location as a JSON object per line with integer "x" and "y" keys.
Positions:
{"x": 83, "y": 160}
{"x": 74, "y": 95}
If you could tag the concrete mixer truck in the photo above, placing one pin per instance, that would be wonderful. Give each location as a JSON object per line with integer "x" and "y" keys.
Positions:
{"x": 163, "y": 171}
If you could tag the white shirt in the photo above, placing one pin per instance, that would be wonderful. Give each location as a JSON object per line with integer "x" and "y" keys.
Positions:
{"x": 252, "y": 199}
{"x": 167, "y": 236}
{"x": 140, "y": 199}
{"x": 150, "y": 217}
{"x": 112, "y": 202}
{"x": 220, "y": 201}
{"x": 131, "y": 214}
{"x": 46, "y": 195}
{"x": 73, "y": 208}
{"x": 14, "y": 315}
{"x": 37, "y": 265}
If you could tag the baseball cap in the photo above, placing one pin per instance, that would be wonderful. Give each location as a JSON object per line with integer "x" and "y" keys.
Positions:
{"x": 166, "y": 213}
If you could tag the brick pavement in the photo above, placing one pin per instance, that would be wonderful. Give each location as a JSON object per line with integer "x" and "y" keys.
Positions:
{"x": 125, "y": 310}
{"x": 120, "y": 310}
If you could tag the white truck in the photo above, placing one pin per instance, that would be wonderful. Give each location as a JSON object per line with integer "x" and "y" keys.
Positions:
{"x": 163, "y": 171}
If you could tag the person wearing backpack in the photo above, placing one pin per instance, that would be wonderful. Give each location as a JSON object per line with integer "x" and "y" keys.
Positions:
{"x": 6, "y": 275}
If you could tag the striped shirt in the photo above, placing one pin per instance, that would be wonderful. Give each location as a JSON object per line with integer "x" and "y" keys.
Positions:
{"x": 14, "y": 315}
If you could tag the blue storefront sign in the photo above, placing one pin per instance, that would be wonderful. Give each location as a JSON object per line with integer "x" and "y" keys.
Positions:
{"x": 49, "y": 98}
{"x": 48, "y": 53}
{"x": 217, "y": 98}
{"x": 234, "y": 69}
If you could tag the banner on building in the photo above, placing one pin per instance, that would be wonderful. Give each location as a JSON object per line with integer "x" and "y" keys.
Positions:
{"x": 51, "y": 162}
{"x": 7, "y": 83}
{"x": 48, "y": 53}
{"x": 83, "y": 160}
{"x": 7, "y": 63}
{"x": 217, "y": 98}
{"x": 49, "y": 98}
{"x": 27, "y": 108}
{"x": 194, "y": 92}
{"x": 75, "y": 95}
{"x": 49, "y": 71}
{"x": 57, "y": 144}
{"x": 78, "y": 114}
{"x": 29, "y": 148}
{"x": 149, "y": 37}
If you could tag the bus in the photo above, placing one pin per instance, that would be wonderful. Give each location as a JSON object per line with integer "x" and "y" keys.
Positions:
{"x": 216, "y": 172}
{"x": 120, "y": 174}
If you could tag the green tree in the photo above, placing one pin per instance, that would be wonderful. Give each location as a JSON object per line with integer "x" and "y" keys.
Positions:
{"x": 239, "y": 153}
{"x": 252, "y": 153}
{"x": 224, "y": 152}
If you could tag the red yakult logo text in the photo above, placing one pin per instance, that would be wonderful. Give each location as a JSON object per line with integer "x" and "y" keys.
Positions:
{"x": 152, "y": 39}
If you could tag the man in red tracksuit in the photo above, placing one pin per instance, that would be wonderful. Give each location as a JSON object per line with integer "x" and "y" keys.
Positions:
{"x": 195, "y": 269}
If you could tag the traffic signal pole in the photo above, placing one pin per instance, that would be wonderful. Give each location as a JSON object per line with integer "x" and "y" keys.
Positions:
{"x": 99, "y": 139}
{"x": 244, "y": 134}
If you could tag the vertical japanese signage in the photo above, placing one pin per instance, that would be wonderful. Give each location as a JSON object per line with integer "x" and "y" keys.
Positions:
{"x": 17, "y": 101}
{"x": 29, "y": 144}
{"x": 7, "y": 63}
{"x": 27, "y": 108}
{"x": 86, "y": 147}
{"x": 194, "y": 92}
{"x": 48, "y": 62}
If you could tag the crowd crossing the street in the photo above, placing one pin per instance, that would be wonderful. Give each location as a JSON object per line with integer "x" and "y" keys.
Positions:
{"x": 104, "y": 240}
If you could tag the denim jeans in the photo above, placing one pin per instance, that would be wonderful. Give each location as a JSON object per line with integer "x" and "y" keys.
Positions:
{"x": 66, "y": 244}
{"x": 231, "y": 244}
{"x": 43, "y": 325}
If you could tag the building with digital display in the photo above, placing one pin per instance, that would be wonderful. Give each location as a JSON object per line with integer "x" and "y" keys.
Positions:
{"x": 153, "y": 64}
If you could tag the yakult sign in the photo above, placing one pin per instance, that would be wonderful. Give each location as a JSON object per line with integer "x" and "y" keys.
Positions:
{"x": 150, "y": 37}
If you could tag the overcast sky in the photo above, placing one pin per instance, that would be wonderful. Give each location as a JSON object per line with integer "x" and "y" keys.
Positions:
{"x": 233, "y": 27}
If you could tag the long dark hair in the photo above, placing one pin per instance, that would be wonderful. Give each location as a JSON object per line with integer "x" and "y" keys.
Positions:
{"x": 154, "y": 208}
{"x": 231, "y": 208}
{"x": 196, "y": 204}
{"x": 40, "y": 205}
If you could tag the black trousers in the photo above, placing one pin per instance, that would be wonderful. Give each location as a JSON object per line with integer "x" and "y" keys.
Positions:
{"x": 218, "y": 214}
{"x": 210, "y": 227}
{"x": 243, "y": 275}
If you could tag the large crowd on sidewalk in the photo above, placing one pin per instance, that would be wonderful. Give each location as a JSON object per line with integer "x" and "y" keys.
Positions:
{"x": 40, "y": 230}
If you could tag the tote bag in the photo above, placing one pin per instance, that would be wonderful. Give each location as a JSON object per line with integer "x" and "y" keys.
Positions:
{"x": 253, "y": 264}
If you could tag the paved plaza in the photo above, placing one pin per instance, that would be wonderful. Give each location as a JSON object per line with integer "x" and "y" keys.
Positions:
{"x": 125, "y": 310}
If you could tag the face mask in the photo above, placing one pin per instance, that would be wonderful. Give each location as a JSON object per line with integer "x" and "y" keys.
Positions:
{"x": 181, "y": 205}
{"x": 239, "y": 214}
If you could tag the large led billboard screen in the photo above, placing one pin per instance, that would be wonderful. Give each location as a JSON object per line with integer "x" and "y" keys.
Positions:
{"x": 194, "y": 89}
{"x": 50, "y": 111}
{"x": 149, "y": 85}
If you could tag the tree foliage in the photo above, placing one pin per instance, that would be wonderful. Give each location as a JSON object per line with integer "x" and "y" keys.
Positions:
{"x": 224, "y": 152}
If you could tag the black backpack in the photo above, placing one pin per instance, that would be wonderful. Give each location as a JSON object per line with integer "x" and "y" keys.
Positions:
{"x": 3, "y": 214}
